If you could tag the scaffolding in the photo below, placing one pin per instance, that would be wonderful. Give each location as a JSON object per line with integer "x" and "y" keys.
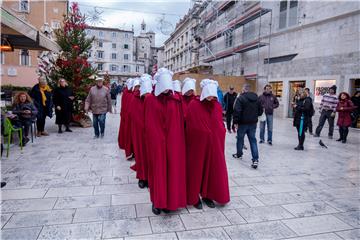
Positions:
{"x": 250, "y": 11}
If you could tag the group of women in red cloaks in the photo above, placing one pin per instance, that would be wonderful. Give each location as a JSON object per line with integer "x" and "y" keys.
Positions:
{"x": 177, "y": 140}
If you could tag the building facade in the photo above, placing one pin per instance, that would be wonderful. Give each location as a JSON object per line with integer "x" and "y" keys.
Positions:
{"x": 288, "y": 43}
{"x": 19, "y": 67}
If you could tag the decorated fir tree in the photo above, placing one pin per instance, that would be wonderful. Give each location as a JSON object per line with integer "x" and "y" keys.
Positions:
{"x": 72, "y": 62}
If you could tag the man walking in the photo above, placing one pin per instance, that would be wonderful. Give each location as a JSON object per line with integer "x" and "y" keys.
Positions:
{"x": 229, "y": 100}
{"x": 268, "y": 102}
{"x": 247, "y": 109}
{"x": 328, "y": 109}
{"x": 99, "y": 103}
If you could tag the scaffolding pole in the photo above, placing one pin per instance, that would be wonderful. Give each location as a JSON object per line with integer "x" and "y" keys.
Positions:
{"x": 268, "y": 69}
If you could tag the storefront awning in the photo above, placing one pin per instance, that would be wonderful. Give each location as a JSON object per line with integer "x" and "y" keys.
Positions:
{"x": 21, "y": 34}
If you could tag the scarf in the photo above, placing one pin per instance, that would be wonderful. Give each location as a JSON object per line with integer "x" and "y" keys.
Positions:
{"x": 42, "y": 91}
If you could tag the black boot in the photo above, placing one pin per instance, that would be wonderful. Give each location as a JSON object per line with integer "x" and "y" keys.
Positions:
{"x": 60, "y": 130}
{"x": 142, "y": 184}
{"x": 210, "y": 203}
{"x": 3, "y": 184}
{"x": 67, "y": 129}
{"x": 198, "y": 205}
{"x": 345, "y": 134}
{"x": 155, "y": 210}
{"x": 299, "y": 147}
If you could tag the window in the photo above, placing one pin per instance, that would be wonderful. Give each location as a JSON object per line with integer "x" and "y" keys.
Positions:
{"x": 126, "y": 35}
{"x": 88, "y": 31}
{"x": 113, "y": 45}
{"x": 24, "y": 57}
{"x": 89, "y": 53}
{"x": 100, "y": 66}
{"x": 126, "y": 46}
{"x": 137, "y": 68}
{"x": 100, "y": 43}
{"x": 101, "y": 34}
{"x": 113, "y": 68}
{"x": 55, "y": 24}
{"x": 145, "y": 55}
{"x": 249, "y": 32}
{"x": 126, "y": 56}
{"x": 24, "y": 6}
{"x": 126, "y": 68}
{"x": 100, "y": 54}
{"x": 113, "y": 34}
{"x": 228, "y": 39}
{"x": 277, "y": 88}
{"x": 113, "y": 56}
{"x": 288, "y": 13}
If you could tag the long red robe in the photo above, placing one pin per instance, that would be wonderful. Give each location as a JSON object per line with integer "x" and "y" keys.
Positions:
{"x": 124, "y": 138}
{"x": 164, "y": 131}
{"x": 186, "y": 100}
{"x": 137, "y": 116}
{"x": 205, "y": 158}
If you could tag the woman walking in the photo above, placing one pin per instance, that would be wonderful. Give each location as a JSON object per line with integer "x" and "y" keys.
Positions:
{"x": 344, "y": 107}
{"x": 63, "y": 100}
{"x": 303, "y": 112}
{"x": 42, "y": 97}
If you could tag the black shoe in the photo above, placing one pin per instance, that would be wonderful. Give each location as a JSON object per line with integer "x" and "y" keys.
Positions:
{"x": 96, "y": 136}
{"x": 68, "y": 130}
{"x": 141, "y": 184}
{"x": 270, "y": 143}
{"x": 60, "y": 131}
{"x": 165, "y": 211}
{"x": 210, "y": 203}
{"x": 3, "y": 184}
{"x": 198, "y": 205}
{"x": 261, "y": 141}
{"x": 255, "y": 164}
{"x": 299, "y": 148}
{"x": 330, "y": 137}
{"x": 25, "y": 141}
{"x": 316, "y": 135}
{"x": 343, "y": 141}
{"x": 339, "y": 140}
{"x": 102, "y": 135}
{"x": 155, "y": 210}
{"x": 237, "y": 156}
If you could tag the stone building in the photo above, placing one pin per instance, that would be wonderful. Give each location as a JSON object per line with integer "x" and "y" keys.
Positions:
{"x": 19, "y": 67}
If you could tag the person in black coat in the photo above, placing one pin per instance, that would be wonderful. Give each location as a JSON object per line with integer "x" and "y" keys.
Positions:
{"x": 229, "y": 100}
{"x": 63, "y": 100}
{"x": 42, "y": 97}
{"x": 303, "y": 112}
{"x": 356, "y": 113}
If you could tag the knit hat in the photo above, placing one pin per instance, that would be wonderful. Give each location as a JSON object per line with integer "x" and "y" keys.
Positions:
{"x": 333, "y": 87}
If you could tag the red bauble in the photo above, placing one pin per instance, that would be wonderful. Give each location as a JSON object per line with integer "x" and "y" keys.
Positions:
{"x": 76, "y": 47}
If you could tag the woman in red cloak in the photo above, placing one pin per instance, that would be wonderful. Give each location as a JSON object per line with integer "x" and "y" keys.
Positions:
{"x": 188, "y": 93}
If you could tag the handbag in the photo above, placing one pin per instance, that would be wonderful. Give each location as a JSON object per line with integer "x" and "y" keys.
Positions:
{"x": 262, "y": 118}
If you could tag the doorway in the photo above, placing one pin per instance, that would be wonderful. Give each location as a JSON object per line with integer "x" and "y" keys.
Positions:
{"x": 294, "y": 87}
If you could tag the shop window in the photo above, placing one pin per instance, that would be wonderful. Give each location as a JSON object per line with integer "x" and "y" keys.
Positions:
{"x": 321, "y": 88}
{"x": 277, "y": 88}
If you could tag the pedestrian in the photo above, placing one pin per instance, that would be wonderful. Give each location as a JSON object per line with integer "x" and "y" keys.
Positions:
{"x": 137, "y": 116}
{"x": 98, "y": 102}
{"x": 327, "y": 110}
{"x": 42, "y": 98}
{"x": 26, "y": 113}
{"x": 124, "y": 137}
{"x": 206, "y": 172}
{"x": 356, "y": 113}
{"x": 63, "y": 98}
{"x": 229, "y": 100}
{"x": 310, "y": 125}
{"x": 345, "y": 107}
{"x": 269, "y": 102}
{"x": 247, "y": 109}
{"x": 164, "y": 130}
{"x": 188, "y": 93}
{"x": 303, "y": 112}
{"x": 113, "y": 94}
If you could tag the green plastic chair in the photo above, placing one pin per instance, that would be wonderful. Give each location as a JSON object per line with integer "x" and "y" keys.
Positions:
{"x": 8, "y": 131}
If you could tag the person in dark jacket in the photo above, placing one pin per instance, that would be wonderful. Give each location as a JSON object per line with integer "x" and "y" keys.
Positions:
{"x": 344, "y": 107}
{"x": 310, "y": 95}
{"x": 114, "y": 91}
{"x": 303, "y": 111}
{"x": 269, "y": 102}
{"x": 229, "y": 100}
{"x": 26, "y": 113}
{"x": 42, "y": 97}
{"x": 247, "y": 109}
{"x": 356, "y": 113}
{"x": 63, "y": 100}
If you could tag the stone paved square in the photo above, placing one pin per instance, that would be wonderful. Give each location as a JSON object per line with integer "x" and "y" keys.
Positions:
{"x": 90, "y": 192}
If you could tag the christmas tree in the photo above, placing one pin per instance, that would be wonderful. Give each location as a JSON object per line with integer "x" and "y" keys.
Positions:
{"x": 72, "y": 62}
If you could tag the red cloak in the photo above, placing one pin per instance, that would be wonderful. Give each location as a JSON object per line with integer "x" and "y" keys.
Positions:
{"x": 205, "y": 158}
{"x": 124, "y": 138}
{"x": 121, "y": 136}
{"x": 165, "y": 152}
{"x": 137, "y": 116}
{"x": 186, "y": 100}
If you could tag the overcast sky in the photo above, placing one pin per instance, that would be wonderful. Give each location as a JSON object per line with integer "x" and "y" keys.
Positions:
{"x": 136, "y": 11}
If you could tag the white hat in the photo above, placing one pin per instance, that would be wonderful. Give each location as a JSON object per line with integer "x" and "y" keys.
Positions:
{"x": 164, "y": 81}
{"x": 145, "y": 84}
{"x": 209, "y": 88}
{"x": 177, "y": 86}
{"x": 99, "y": 78}
{"x": 188, "y": 84}
{"x": 135, "y": 82}
{"x": 129, "y": 83}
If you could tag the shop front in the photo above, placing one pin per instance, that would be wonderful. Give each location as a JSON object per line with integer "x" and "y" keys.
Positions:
{"x": 321, "y": 88}
{"x": 294, "y": 87}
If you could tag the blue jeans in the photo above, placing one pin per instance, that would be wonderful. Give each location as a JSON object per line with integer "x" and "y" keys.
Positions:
{"x": 99, "y": 120}
{"x": 250, "y": 131}
{"x": 269, "y": 123}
